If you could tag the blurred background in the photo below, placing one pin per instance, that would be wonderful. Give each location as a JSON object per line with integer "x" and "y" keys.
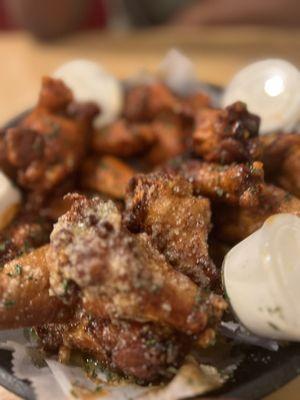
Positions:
{"x": 49, "y": 19}
{"x": 220, "y": 37}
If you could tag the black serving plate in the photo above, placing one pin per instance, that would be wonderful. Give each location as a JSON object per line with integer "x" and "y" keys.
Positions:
{"x": 260, "y": 373}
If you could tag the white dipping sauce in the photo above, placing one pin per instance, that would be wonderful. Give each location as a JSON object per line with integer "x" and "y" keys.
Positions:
{"x": 90, "y": 82}
{"x": 261, "y": 277}
{"x": 271, "y": 89}
{"x": 10, "y": 198}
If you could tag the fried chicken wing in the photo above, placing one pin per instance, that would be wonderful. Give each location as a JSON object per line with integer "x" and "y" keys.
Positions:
{"x": 172, "y": 138}
{"x": 24, "y": 293}
{"x": 177, "y": 222}
{"x": 50, "y": 142}
{"x": 121, "y": 275}
{"x": 26, "y": 232}
{"x": 144, "y": 102}
{"x": 107, "y": 175}
{"x": 232, "y": 184}
{"x": 281, "y": 158}
{"x": 123, "y": 139}
{"x": 226, "y": 136}
{"x": 233, "y": 224}
{"x": 142, "y": 351}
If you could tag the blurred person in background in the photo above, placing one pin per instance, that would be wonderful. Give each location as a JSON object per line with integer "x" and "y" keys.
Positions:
{"x": 48, "y": 19}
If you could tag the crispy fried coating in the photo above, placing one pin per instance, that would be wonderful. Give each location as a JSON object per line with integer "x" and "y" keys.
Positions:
{"x": 24, "y": 293}
{"x": 123, "y": 139}
{"x": 172, "y": 136}
{"x": 142, "y": 351}
{"x": 26, "y": 232}
{"x": 122, "y": 275}
{"x": 226, "y": 136}
{"x": 107, "y": 175}
{"x": 50, "y": 142}
{"x": 281, "y": 158}
{"x": 178, "y": 223}
{"x": 144, "y": 102}
{"x": 233, "y": 224}
{"x": 239, "y": 184}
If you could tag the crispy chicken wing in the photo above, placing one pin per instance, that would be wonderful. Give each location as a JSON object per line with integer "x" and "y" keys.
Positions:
{"x": 26, "y": 232}
{"x": 107, "y": 175}
{"x": 144, "y": 102}
{"x": 226, "y": 136}
{"x": 121, "y": 275}
{"x": 177, "y": 222}
{"x": 50, "y": 142}
{"x": 142, "y": 351}
{"x": 232, "y": 224}
{"x": 281, "y": 158}
{"x": 232, "y": 184}
{"x": 123, "y": 139}
{"x": 173, "y": 136}
{"x": 24, "y": 293}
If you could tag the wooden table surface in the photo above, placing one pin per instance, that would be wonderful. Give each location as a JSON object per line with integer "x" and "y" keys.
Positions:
{"x": 217, "y": 52}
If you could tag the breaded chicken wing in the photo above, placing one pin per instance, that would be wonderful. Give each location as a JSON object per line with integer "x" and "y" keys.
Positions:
{"x": 123, "y": 139}
{"x": 24, "y": 293}
{"x": 226, "y": 136}
{"x": 50, "y": 142}
{"x": 231, "y": 184}
{"x": 132, "y": 349}
{"x": 107, "y": 175}
{"x": 26, "y": 232}
{"x": 178, "y": 223}
{"x": 121, "y": 275}
{"x": 233, "y": 224}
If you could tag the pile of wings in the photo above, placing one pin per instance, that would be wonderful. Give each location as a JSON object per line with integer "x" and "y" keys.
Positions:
{"x": 143, "y": 211}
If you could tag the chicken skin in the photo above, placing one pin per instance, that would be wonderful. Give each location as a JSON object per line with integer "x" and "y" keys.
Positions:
{"x": 178, "y": 223}
{"x": 226, "y": 136}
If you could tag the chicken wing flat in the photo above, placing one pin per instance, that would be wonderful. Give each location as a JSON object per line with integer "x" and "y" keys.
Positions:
{"x": 50, "y": 142}
{"x": 226, "y": 136}
{"x": 233, "y": 224}
{"x": 178, "y": 223}
{"x": 24, "y": 293}
{"x": 121, "y": 275}
{"x": 123, "y": 139}
{"x": 107, "y": 175}
{"x": 281, "y": 158}
{"x": 145, "y": 351}
{"x": 231, "y": 184}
